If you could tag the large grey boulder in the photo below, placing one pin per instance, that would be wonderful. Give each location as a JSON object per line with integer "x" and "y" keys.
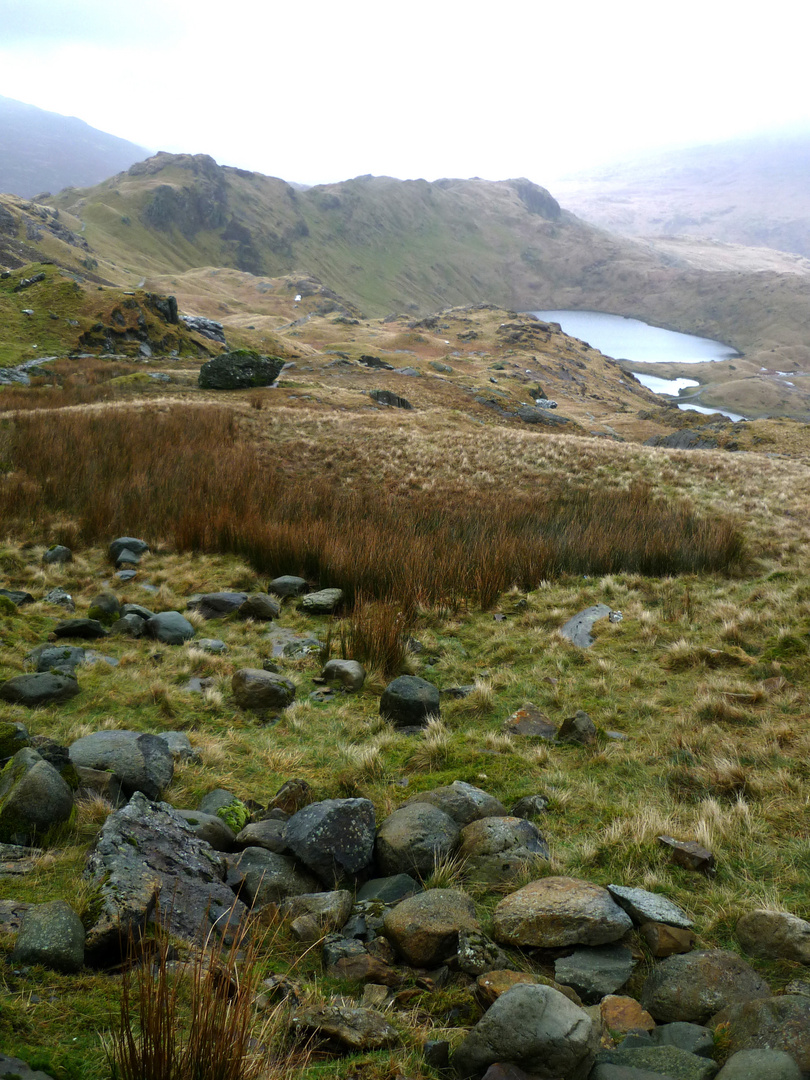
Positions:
{"x": 425, "y": 928}
{"x": 147, "y": 851}
{"x": 463, "y": 802}
{"x": 80, "y": 628}
{"x": 170, "y": 628}
{"x": 775, "y": 935}
{"x": 50, "y": 934}
{"x": 127, "y": 546}
{"x": 262, "y": 877}
{"x": 239, "y": 370}
{"x": 414, "y": 838}
{"x": 774, "y": 1023}
{"x": 556, "y": 911}
{"x": 693, "y": 986}
{"x": 254, "y": 688}
{"x": 261, "y": 607}
{"x": 40, "y": 689}
{"x": 760, "y": 1065}
{"x": 536, "y": 1028}
{"x": 288, "y": 585}
{"x": 57, "y": 555}
{"x": 217, "y": 605}
{"x": 349, "y": 673}
{"x": 497, "y": 849}
{"x": 334, "y": 838}
{"x": 141, "y": 762}
{"x": 33, "y": 798}
{"x": 408, "y": 701}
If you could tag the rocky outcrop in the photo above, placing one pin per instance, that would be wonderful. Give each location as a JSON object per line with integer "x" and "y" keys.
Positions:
{"x": 239, "y": 370}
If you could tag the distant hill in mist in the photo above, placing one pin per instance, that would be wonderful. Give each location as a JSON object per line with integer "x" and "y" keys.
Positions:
{"x": 751, "y": 191}
{"x": 43, "y": 151}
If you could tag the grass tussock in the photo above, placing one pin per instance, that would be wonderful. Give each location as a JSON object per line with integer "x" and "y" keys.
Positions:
{"x": 186, "y": 475}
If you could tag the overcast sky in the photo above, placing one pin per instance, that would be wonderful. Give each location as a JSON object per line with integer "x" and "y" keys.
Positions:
{"x": 318, "y": 91}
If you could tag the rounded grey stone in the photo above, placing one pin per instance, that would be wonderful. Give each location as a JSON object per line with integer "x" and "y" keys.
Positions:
{"x": 170, "y": 628}
{"x": 212, "y": 829}
{"x": 693, "y": 986}
{"x": 775, "y": 935}
{"x": 463, "y": 802}
{"x": 414, "y": 838}
{"x": 288, "y": 585}
{"x": 267, "y": 834}
{"x": 263, "y": 877}
{"x": 57, "y": 554}
{"x": 333, "y": 837}
{"x": 596, "y": 972}
{"x": 51, "y": 934}
{"x": 260, "y": 606}
{"x": 349, "y": 673}
{"x": 141, "y": 762}
{"x": 760, "y": 1065}
{"x": 33, "y": 798}
{"x": 127, "y": 545}
{"x": 254, "y": 688}
{"x": 408, "y": 701}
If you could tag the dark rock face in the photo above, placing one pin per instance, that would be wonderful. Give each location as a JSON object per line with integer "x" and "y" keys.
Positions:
{"x": 387, "y": 397}
{"x": 17, "y": 596}
{"x": 43, "y": 688}
{"x": 127, "y": 544}
{"x": 530, "y": 414}
{"x": 334, "y": 837}
{"x": 414, "y": 838}
{"x": 408, "y": 701}
{"x": 218, "y": 604}
{"x": 146, "y": 851}
{"x": 684, "y": 440}
{"x": 88, "y": 629}
{"x": 239, "y": 370}
{"x": 141, "y": 762}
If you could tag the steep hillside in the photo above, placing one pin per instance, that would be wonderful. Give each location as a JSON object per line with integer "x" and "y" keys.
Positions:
{"x": 747, "y": 191}
{"x": 43, "y": 151}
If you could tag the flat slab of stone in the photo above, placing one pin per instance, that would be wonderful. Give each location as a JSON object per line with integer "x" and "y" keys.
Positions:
{"x": 578, "y": 629}
{"x": 595, "y": 973}
{"x": 41, "y": 688}
{"x": 292, "y": 645}
{"x": 17, "y": 861}
{"x": 643, "y": 906}
{"x": 530, "y": 721}
{"x": 87, "y": 629}
{"x": 352, "y": 1029}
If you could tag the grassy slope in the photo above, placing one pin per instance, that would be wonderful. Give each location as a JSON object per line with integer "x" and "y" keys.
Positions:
{"x": 717, "y": 745}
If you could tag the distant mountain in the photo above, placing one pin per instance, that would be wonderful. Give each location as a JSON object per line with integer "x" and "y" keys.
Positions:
{"x": 750, "y": 191}
{"x": 43, "y": 151}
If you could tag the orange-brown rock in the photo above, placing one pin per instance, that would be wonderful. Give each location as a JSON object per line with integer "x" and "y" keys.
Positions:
{"x": 664, "y": 940}
{"x": 557, "y": 911}
{"x": 625, "y": 1014}
{"x": 489, "y": 987}
{"x": 424, "y": 928}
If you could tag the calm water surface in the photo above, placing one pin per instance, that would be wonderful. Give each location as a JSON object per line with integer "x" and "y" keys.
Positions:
{"x": 632, "y": 339}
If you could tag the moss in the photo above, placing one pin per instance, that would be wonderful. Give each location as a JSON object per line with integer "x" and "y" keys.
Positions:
{"x": 235, "y": 815}
{"x": 7, "y": 607}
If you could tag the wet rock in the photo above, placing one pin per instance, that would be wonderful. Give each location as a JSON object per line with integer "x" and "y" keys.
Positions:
{"x": 775, "y": 935}
{"x": 622, "y": 1014}
{"x": 387, "y": 397}
{"x": 409, "y": 701}
{"x": 15, "y": 1069}
{"x": 256, "y": 689}
{"x": 556, "y": 911}
{"x": 578, "y": 629}
{"x": 643, "y": 906}
{"x": 425, "y": 928}
{"x": 63, "y": 658}
{"x": 38, "y": 690}
{"x": 463, "y": 802}
{"x": 211, "y": 645}
{"x": 17, "y": 597}
{"x": 535, "y": 1028}
{"x": 50, "y": 934}
{"x": 692, "y": 1037}
{"x": 334, "y": 838}
{"x": 414, "y": 838}
{"x": 696, "y": 985}
{"x": 146, "y": 850}
{"x": 141, "y": 762}
{"x": 389, "y": 890}
{"x": 328, "y": 910}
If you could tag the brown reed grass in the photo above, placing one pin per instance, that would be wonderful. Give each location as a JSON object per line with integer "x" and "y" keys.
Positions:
{"x": 186, "y": 475}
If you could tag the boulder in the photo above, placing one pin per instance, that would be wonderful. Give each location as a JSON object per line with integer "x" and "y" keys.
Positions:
{"x": 130, "y": 625}
{"x": 127, "y": 549}
{"x": 323, "y": 602}
{"x": 240, "y": 369}
{"x": 267, "y": 834}
{"x": 334, "y": 838}
{"x": 557, "y": 911}
{"x": 774, "y": 1023}
{"x": 212, "y": 829}
{"x": 141, "y": 762}
{"x": 348, "y": 673}
{"x": 534, "y": 1027}
{"x": 170, "y": 628}
{"x": 61, "y": 658}
{"x": 256, "y": 689}
{"x": 389, "y": 890}
{"x": 80, "y": 628}
{"x": 409, "y": 701}
{"x": 50, "y": 934}
{"x": 595, "y": 973}
{"x": 40, "y": 689}
{"x": 217, "y": 605}
{"x": 641, "y": 1062}
{"x": 105, "y": 607}
{"x": 497, "y": 849}
{"x": 349, "y": 1029}
{"x": 137, "y": 609}
{"x": 145, "y": 851}
{"x": 260, "y": 606}
{"x": 425, "y": 928}
{"x": 692, "y": 1037}
{"x": 18, "y": 597}
{"x": 414, "y": 838}
{"x": 288, "y": 585}
{"x": 775, "y": 935}
{"x": 760, "y": 1065}
{"x": 462, "y": 802}
{"x": 262, "y": 877}
{"x": 695, "y": 985}
{"x": 57, "y": 555}
{"x": 643, "y": 906}
{"x": 33, "y": 798}
{"x": 531, "y": 722}
{"x": 578, "y": 728}
{"x": 663, "y": 940}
